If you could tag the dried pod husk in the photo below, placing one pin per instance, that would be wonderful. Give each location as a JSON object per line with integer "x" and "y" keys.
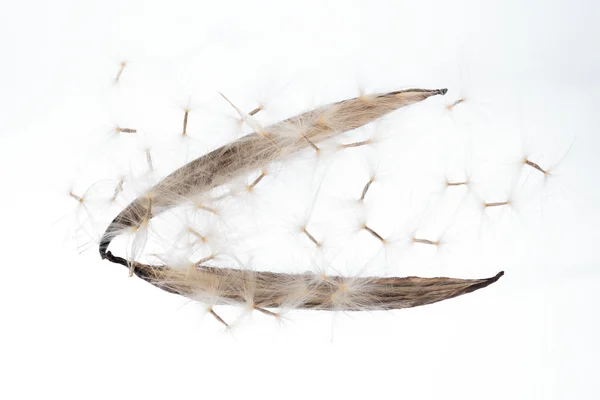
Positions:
{"x": 272, "y": 290}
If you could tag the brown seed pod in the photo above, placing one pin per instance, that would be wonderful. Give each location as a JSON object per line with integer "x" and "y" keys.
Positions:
{"x": 267, "y": 289}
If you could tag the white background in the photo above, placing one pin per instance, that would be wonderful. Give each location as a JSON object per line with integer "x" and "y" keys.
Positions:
{"x": 76, "y": 327}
